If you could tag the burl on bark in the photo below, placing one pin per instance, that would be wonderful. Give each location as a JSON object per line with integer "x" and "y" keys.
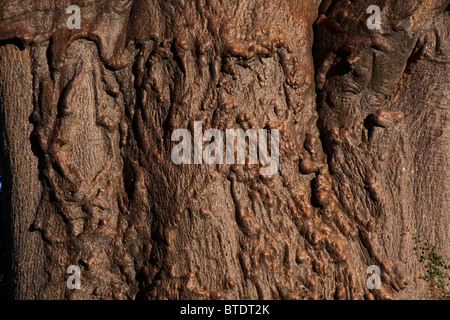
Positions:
{"x": 87, "y": 116}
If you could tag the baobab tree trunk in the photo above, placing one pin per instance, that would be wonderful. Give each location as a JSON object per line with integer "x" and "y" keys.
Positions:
{"x": 87, "y": 116}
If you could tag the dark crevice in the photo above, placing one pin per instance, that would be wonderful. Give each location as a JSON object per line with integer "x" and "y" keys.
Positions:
{"x": 3, "y": 293}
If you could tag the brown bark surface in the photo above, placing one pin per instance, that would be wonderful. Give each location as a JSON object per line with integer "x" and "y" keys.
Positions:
{"x": 86, "y": 123}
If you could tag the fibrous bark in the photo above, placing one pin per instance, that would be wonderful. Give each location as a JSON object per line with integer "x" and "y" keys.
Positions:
{"x": 383, "y": 107}
{"x": 87, "y": 117}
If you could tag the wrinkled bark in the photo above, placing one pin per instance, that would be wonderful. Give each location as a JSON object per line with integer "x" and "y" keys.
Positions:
{"x": 87, "y": 117}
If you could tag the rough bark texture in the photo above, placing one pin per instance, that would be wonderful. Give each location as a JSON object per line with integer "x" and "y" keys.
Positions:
{"x": 87, "y": 117}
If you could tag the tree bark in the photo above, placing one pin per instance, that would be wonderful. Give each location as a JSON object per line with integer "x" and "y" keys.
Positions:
{"x": 87, "y": 116}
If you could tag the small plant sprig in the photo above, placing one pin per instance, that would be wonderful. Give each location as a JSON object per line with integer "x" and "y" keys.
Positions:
{"x": 435, "y": 275}
{"x": 248, "y": 297}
